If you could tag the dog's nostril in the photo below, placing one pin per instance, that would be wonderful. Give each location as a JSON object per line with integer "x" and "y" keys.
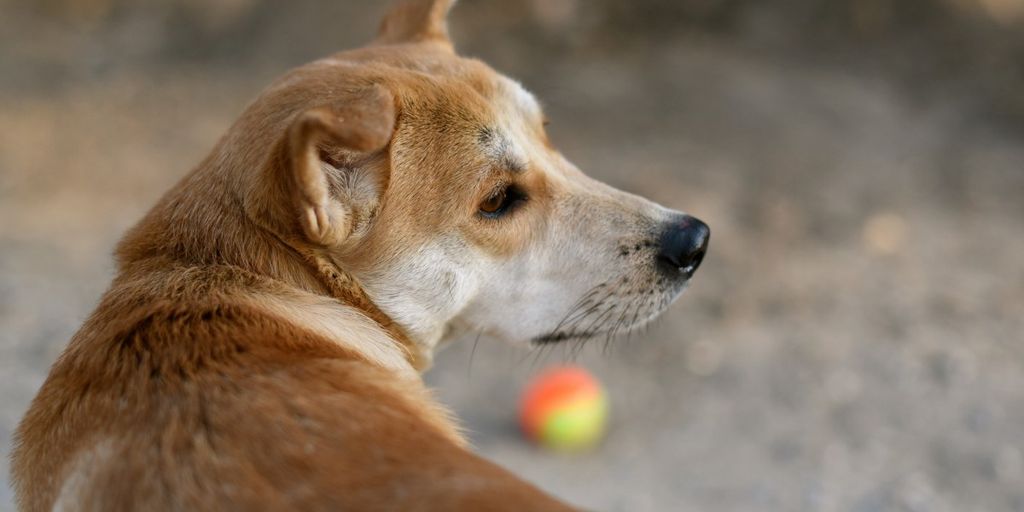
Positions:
{"x": 693, "y": 262}
{"x": 683, "y": 246}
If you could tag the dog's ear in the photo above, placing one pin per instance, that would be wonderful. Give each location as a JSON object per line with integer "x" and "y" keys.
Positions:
{"x": 328, "y": 193}
{"x": 413, "y": 21}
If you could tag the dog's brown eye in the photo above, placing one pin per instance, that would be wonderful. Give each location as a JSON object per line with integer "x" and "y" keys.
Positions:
{"x": 494, "y": 204}
{"x": 502, "y": 202}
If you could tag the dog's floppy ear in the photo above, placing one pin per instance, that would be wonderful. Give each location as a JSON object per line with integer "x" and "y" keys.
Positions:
{"x": 327, "y": 197}
{"x": 413, "y": 21}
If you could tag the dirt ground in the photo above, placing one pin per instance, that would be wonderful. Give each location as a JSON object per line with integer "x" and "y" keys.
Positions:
{"x": 853, "y": 342}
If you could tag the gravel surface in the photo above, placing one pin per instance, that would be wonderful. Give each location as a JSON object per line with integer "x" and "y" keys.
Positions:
{"x": 853, "y": 341}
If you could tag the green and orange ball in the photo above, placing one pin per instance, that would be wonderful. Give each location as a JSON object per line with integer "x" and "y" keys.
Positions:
{"x": 564, "y": 409}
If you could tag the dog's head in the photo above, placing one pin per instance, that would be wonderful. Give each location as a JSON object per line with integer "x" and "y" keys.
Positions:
{"x": 429, "y": 177}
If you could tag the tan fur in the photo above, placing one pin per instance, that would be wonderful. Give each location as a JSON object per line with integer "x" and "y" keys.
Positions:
{"x": 260, "y": 345}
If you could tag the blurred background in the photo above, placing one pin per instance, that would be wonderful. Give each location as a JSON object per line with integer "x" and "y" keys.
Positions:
{"x": 855, "y": 338}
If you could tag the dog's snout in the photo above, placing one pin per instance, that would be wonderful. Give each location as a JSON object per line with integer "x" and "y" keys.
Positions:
{"x": 682, "y": 245}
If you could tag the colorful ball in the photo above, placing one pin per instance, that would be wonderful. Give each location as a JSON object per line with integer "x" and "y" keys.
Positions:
{"x": 564, "y": 409}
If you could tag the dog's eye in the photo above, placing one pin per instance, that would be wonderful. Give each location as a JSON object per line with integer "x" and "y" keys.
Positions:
{"x": 494, "y": 203}
{"x": 501, "y": 202}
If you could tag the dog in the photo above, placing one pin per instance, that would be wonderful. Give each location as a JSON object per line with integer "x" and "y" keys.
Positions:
{"x": 261, "y": 345}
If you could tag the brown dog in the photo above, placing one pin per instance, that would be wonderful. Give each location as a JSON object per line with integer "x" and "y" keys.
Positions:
{"x": 260, "y": 345}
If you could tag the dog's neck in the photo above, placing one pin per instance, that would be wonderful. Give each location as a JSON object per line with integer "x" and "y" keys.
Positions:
{"x": 199, "y": 223}
{"x": 341, "y": 286}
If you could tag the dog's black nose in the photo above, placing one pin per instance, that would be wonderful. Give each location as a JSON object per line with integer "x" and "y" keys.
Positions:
{"x": 683, "y": 244}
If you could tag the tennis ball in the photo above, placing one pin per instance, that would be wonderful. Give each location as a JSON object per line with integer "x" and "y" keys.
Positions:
{"x": 564, "y": 409}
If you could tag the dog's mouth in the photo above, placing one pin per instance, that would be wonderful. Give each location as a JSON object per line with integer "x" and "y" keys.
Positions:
{"x": 555, "y": 337}
{"x": 612, "y": 308}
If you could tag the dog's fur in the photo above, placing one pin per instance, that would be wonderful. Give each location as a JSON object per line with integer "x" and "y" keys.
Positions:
{"x": 260, "y": 347}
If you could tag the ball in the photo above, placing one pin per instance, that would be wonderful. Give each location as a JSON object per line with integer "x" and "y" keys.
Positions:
{"x": 564, "y": 409}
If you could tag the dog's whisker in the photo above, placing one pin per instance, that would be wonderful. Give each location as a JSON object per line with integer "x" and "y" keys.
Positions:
{"x": 597, "y": 321}
{"x": 472, "y": 353}
{"x": 570, "y": 327}
{"x": 579, "y": 305}
{"x": 632, "y": 321}
{"x": 607, "y": 314}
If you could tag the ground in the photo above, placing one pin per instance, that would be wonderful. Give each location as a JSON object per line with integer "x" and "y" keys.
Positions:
{"x": 853, "y": 341}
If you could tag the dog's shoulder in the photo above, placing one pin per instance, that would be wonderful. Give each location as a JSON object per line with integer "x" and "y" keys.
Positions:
{"x": 203, "y": 366}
